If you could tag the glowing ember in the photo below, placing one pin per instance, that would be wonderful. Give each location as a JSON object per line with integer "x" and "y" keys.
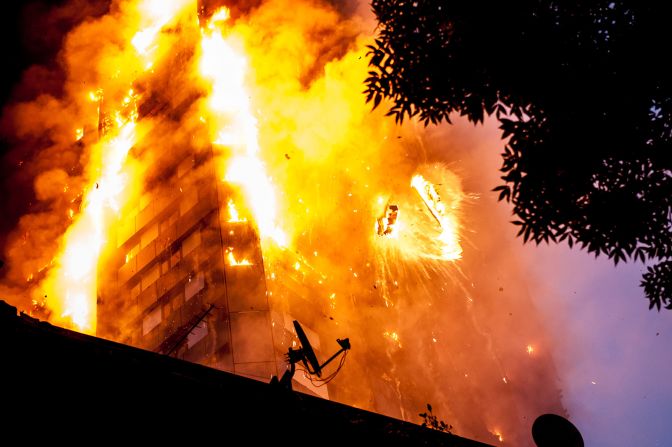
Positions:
{"x": 95, "y": 96}
{"x": 393, "y": 336}
{"x": 498, "y": 435}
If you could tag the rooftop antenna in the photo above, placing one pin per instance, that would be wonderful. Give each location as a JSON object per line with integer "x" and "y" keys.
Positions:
{"x": 306, "y": 355}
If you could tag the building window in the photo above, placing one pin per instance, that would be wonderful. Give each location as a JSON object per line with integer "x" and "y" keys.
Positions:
{"x": 175, "y": 257}
{"x": 173, "y": 218}
{"x": 185, "y": 167}
{"x": 167, "y": 223}
{"x": 188, "y": 201}
{"x": 170, "y": 260}
{"x": 126, "y": 229}
{"x": 165, "y": 267}
{"x": 194, "y": 285}
{"x": 145, "y": 200}
{"x": 135, "y": 291}
{"x": 167, "y": 310}
{"x": 150, "y": 233}
{"x": 132, "y": 253}
{"x": 150, "y": 276}
{"x": 190, "y": 243}
{"x": 151, "y": 320}
{"x": 197, "y": 334}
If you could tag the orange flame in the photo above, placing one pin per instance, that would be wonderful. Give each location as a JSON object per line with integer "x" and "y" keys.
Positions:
{"x": 70, "y": 287}
{"x": 233, "y": 262}
{"x": 498, "y": 435}
{"x": 394, "y": 337}
{"x": 233, "y": 213}
{"x": 233, "y": 125}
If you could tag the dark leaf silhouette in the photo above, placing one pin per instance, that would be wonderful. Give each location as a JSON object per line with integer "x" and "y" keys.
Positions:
{"x": 430, "y": 420}
{"x": 588, "y": 132}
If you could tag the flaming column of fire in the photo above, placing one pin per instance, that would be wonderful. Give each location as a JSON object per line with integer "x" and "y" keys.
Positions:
{"x": 234, "y": 126}
{"x": 70, "y": 287}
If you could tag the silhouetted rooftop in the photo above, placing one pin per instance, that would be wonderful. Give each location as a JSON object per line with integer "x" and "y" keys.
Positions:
{"x": 59, "y": 384}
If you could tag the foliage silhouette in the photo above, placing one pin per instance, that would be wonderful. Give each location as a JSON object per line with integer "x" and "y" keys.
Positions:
{"x": 583, "y": 94}
{"x": 429, "y": 420}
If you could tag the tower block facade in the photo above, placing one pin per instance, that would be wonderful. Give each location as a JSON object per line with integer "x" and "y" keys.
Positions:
{"x": 184, "y": 278}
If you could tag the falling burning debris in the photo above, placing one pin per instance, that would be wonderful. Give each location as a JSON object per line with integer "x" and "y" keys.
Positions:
{"x": 272, "y": 96}
{"x": 449, "y": 236}
{"x": 387, "y": 225}
{"x": 393, "y": 336}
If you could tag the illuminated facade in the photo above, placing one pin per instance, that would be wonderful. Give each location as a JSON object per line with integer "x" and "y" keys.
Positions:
{"x": 187, "y": 278}
{"x": 171, "y": 285}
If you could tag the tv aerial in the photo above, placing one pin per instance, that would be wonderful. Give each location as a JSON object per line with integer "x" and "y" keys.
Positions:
{"x": 306, "y": 355}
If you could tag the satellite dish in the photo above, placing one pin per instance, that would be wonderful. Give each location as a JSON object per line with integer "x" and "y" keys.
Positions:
{"x": 308, "y": 352}
{"x": 306, "y": 355}
{"x": 551, "y": 430}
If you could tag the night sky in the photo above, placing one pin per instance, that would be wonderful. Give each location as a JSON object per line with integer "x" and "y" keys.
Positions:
{"x": 603, "y": 331}
{"x": 612, "y": 352}
{"x": 610, "y": 339}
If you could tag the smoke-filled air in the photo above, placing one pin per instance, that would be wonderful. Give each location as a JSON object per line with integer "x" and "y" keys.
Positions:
{"x": 378, "y": 220}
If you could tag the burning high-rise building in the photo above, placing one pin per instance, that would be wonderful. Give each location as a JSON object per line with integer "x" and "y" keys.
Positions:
{"x": 185, "y": 274}
{"x": 219, "y": 177}
{"x": 184, "y": 270}
{"x": 189, "y": 280}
